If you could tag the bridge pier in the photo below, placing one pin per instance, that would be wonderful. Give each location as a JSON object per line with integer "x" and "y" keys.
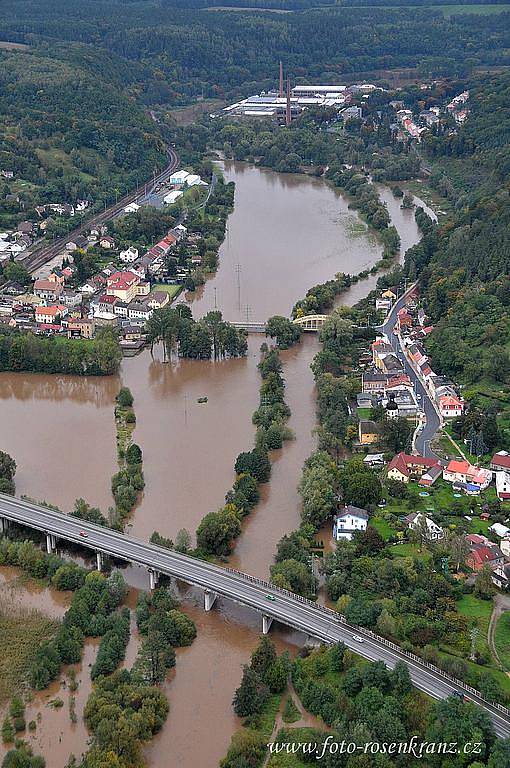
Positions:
{"x": 209, "y": 599}
{"x": 153, "y": 579}
{"x": 99, "y": 561}
{"x": 51, "y": 543}
{"x": 4, "y": 525}
{"x": 266, "y": 624}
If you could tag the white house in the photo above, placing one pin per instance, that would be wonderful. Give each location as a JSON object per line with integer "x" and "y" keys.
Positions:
{"x": 435, "y": 532}
{"x": 503, "y": 484}
{"x": 132, "y": 208}
{"x": 129, "y": 255}
{"x": 348, "y": 521}
{"x": 499, "y": 530}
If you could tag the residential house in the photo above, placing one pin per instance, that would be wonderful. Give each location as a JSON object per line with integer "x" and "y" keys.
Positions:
{"x": 121, "y": 308}
{"x": 503, "y": 484}
{"x": 47, "y": 289}
{"x": 123, "y": 285}
{"x": 391, "y": 364}
{"x": 132, "y": 208}
{"x": 138, "y": 310}
{"x": 368, "y": 432}
{"x": 374, "y": 382}
{"x": 380, "y": 348}
{"x": 78, "y": 243}
{"x": 158, "y": 299}
{"x": 81, "y": 327}
{"x": 504, "y": 545}
{"x": 50, "y": 315}
{"x": 107, "y": 242}
{"x": 405, "y": 467}
{"x": 467, "y": 477}
{"x": 500, "y": 461}
{"x": 484, "y": 553}
{"x": 499, "y": 530}
{"x": 57, "y": 276}
{"x": 129, "y": 255}
{"x": 450, "y": 405}
{"x": 501, "y": 576}
{"x": 70, "y": 297}
{"x": 348, "y": 521}
{"x": 434, "y": 531}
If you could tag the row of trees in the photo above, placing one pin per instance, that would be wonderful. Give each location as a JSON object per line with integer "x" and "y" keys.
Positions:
{"x": 7, "y": 472}
{"x": 20, "y": 351}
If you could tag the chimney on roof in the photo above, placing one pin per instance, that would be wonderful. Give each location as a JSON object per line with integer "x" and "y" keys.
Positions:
{"x": 281, "y": 81}
{"x": 287, "y": 112}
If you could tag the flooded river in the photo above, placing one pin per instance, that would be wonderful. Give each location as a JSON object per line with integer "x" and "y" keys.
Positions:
{"x": 286, "y": 234}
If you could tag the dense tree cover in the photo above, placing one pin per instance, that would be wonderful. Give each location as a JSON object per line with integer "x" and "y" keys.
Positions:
{"x": 7, "y": 472}
{"x": 90, "y": 614}
{"x": 217, "y": 531}
{"x": 267, "y": 673}
{"x": 181, "y": 52}
{"x": 112, "y": 647}
{"x": 21, "y": 351}
{"x": 283, "y": 330}
{"x": 209, "y": 337}
{"x": 318, "y": 489}
{"x": 121, "y": 714}
{"x": 80, "y": 134}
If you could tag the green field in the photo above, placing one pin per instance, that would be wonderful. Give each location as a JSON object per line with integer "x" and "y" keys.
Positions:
{"x": 502, "y": 639}
{"x": 479, "y": 613}
{"x": 172, "y": 290}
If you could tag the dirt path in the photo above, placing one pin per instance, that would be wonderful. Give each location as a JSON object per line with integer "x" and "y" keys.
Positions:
{"x": 501, "y": 604}
{"x": 306, "y": 720}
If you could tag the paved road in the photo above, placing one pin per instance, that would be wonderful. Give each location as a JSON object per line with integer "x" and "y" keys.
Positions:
{"x": 290, "y": 609}
{"x": 425, "y": 436}
{"x": 44, "y": 253}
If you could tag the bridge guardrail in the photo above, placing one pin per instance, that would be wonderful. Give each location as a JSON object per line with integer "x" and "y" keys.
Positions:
{"x": 362, "y": 631}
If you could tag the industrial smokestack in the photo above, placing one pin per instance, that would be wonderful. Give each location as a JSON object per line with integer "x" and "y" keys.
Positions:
{"x": 287, "y": 113}
{"x": 281, "y": 80}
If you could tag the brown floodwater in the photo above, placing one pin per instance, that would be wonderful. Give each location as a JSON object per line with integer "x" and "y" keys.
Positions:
{"x": 61, "y": 432}
{"x": 286, "y": 234}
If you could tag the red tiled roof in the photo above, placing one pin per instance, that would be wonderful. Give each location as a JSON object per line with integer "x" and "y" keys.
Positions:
{"x": 501, "y": 460}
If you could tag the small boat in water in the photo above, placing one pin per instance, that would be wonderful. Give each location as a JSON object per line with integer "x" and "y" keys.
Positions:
{"x": 202, "y": 400}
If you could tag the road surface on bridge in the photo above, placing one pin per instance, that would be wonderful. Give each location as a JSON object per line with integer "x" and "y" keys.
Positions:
{"x": 294, "y": 611}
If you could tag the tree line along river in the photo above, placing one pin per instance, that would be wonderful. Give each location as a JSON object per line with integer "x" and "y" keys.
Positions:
{"x": 286, "y": 234}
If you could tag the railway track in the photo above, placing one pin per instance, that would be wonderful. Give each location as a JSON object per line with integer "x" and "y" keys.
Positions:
{"x": 42, "y": 254}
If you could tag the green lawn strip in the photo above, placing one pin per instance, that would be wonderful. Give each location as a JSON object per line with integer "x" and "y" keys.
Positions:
{"x": 407, "y": 549}
{"x": 363, "y": 413}
{"x": 479, "y": 613}
{"x": 383, "y": 527}
{"x": 502, "y": 639}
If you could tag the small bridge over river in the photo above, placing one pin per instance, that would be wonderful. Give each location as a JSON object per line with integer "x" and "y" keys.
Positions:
{"x": 307, "y": 323}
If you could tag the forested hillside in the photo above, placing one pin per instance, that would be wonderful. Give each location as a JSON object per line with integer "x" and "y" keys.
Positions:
{"x": 71, "y": 127}
{"x": 192, "y": 51}
{"x": 465, "y": 264}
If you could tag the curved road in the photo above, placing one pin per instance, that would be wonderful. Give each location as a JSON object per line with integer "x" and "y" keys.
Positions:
{"x": 44, "y": 253}
{"x": 290, "y": 609}
{"x": 425, "y": 436}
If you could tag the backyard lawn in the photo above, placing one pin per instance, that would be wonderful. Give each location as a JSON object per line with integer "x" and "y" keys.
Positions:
{"x": 383, "y": 527}
{"x": 172, "y": 290}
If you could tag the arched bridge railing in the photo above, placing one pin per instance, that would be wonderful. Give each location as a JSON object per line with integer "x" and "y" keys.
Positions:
{"x": 311, "y": 323}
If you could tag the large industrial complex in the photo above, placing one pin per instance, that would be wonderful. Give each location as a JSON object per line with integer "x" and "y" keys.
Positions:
{"x": 291, "y": 102}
